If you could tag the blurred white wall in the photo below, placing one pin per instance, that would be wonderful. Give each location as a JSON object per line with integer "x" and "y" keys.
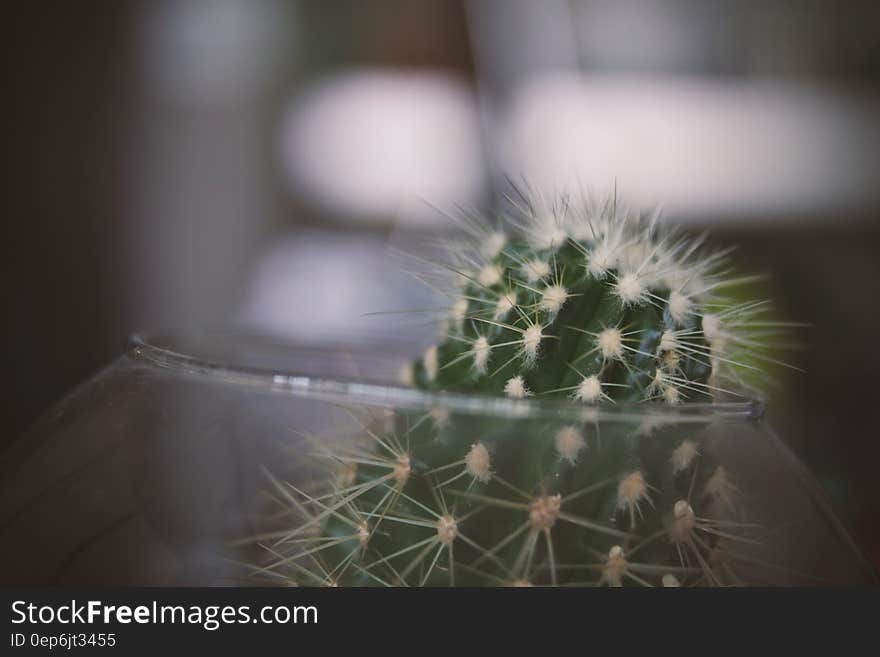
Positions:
{"x": 381, "y": 144}
{"x": 704, "y": 149}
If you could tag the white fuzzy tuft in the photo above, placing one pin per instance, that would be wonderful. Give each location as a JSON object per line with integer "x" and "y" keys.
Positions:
{"x": 630, "y": 289}
{"x": 405, "y": 375}
{"x": 668, "y": 341}
{"x": 363, "y": 534}
{"x": 662, "y": 387}
{"x": 490, "y": 275}
{"x": 615, "y": 566}
{"x": 658, "y": 382}
{"x": 680, "y": 307}
{"x": 711, "y": 328}
{"x": 670, "y": 581}
{"x": 447, "y": 529}
{"x": 531, "y": 341}
{"x": 553, "y": 298}
{"x": 631, "y": 491}
{"x": 481, "y": 350}
{"x": 478, "y": 463}
{"x": 515, "y": 388}
{"x": 684, "y": 520}
{"x": 610, "y": 343}
{"x": 671, "y": 361}
{"x": 505, "y": 304}
{"x": 459, "y": 312}
{"x": 402, "y": 469}
{"x": 589, "y": 389}
{"x": 543, "y": 512}
{"x": 536, "y": 270}
{"x": 492, "y": 245}
{"x": 671, "y": 395}
{"x": 569, "y": 443}
{"x": 430, "y": 362}
{"x": 683, "y": 455}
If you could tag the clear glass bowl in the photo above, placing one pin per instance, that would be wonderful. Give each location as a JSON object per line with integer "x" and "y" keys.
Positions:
{"x": 159, "y": 470}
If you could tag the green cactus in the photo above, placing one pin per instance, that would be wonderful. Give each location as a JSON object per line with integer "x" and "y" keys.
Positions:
{"x": 589, "y": 304}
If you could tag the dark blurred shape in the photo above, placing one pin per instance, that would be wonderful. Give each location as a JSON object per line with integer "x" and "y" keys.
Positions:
{"x": 418, "y": 34}
{"x": 69, "y": 86}
{"x": 829, "y": 414}
{"x": 780, "y": 38}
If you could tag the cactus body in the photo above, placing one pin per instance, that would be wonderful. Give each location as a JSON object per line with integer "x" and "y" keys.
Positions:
{"x": 589, "y": 304}
{"x": 616, "y": 317}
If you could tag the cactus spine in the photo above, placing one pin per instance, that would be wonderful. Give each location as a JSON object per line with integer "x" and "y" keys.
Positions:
{"x": 590, "y": 303}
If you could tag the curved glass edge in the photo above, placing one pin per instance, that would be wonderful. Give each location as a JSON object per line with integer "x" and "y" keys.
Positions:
{"x": 347, "y": 391}
{"x": 820, "y": 498}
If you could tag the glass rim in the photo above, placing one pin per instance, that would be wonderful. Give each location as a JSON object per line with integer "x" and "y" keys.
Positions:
{"x": 145, "y": 347}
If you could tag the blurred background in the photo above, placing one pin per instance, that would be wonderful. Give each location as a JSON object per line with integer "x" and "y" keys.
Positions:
{"x": 205, "y": 162}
